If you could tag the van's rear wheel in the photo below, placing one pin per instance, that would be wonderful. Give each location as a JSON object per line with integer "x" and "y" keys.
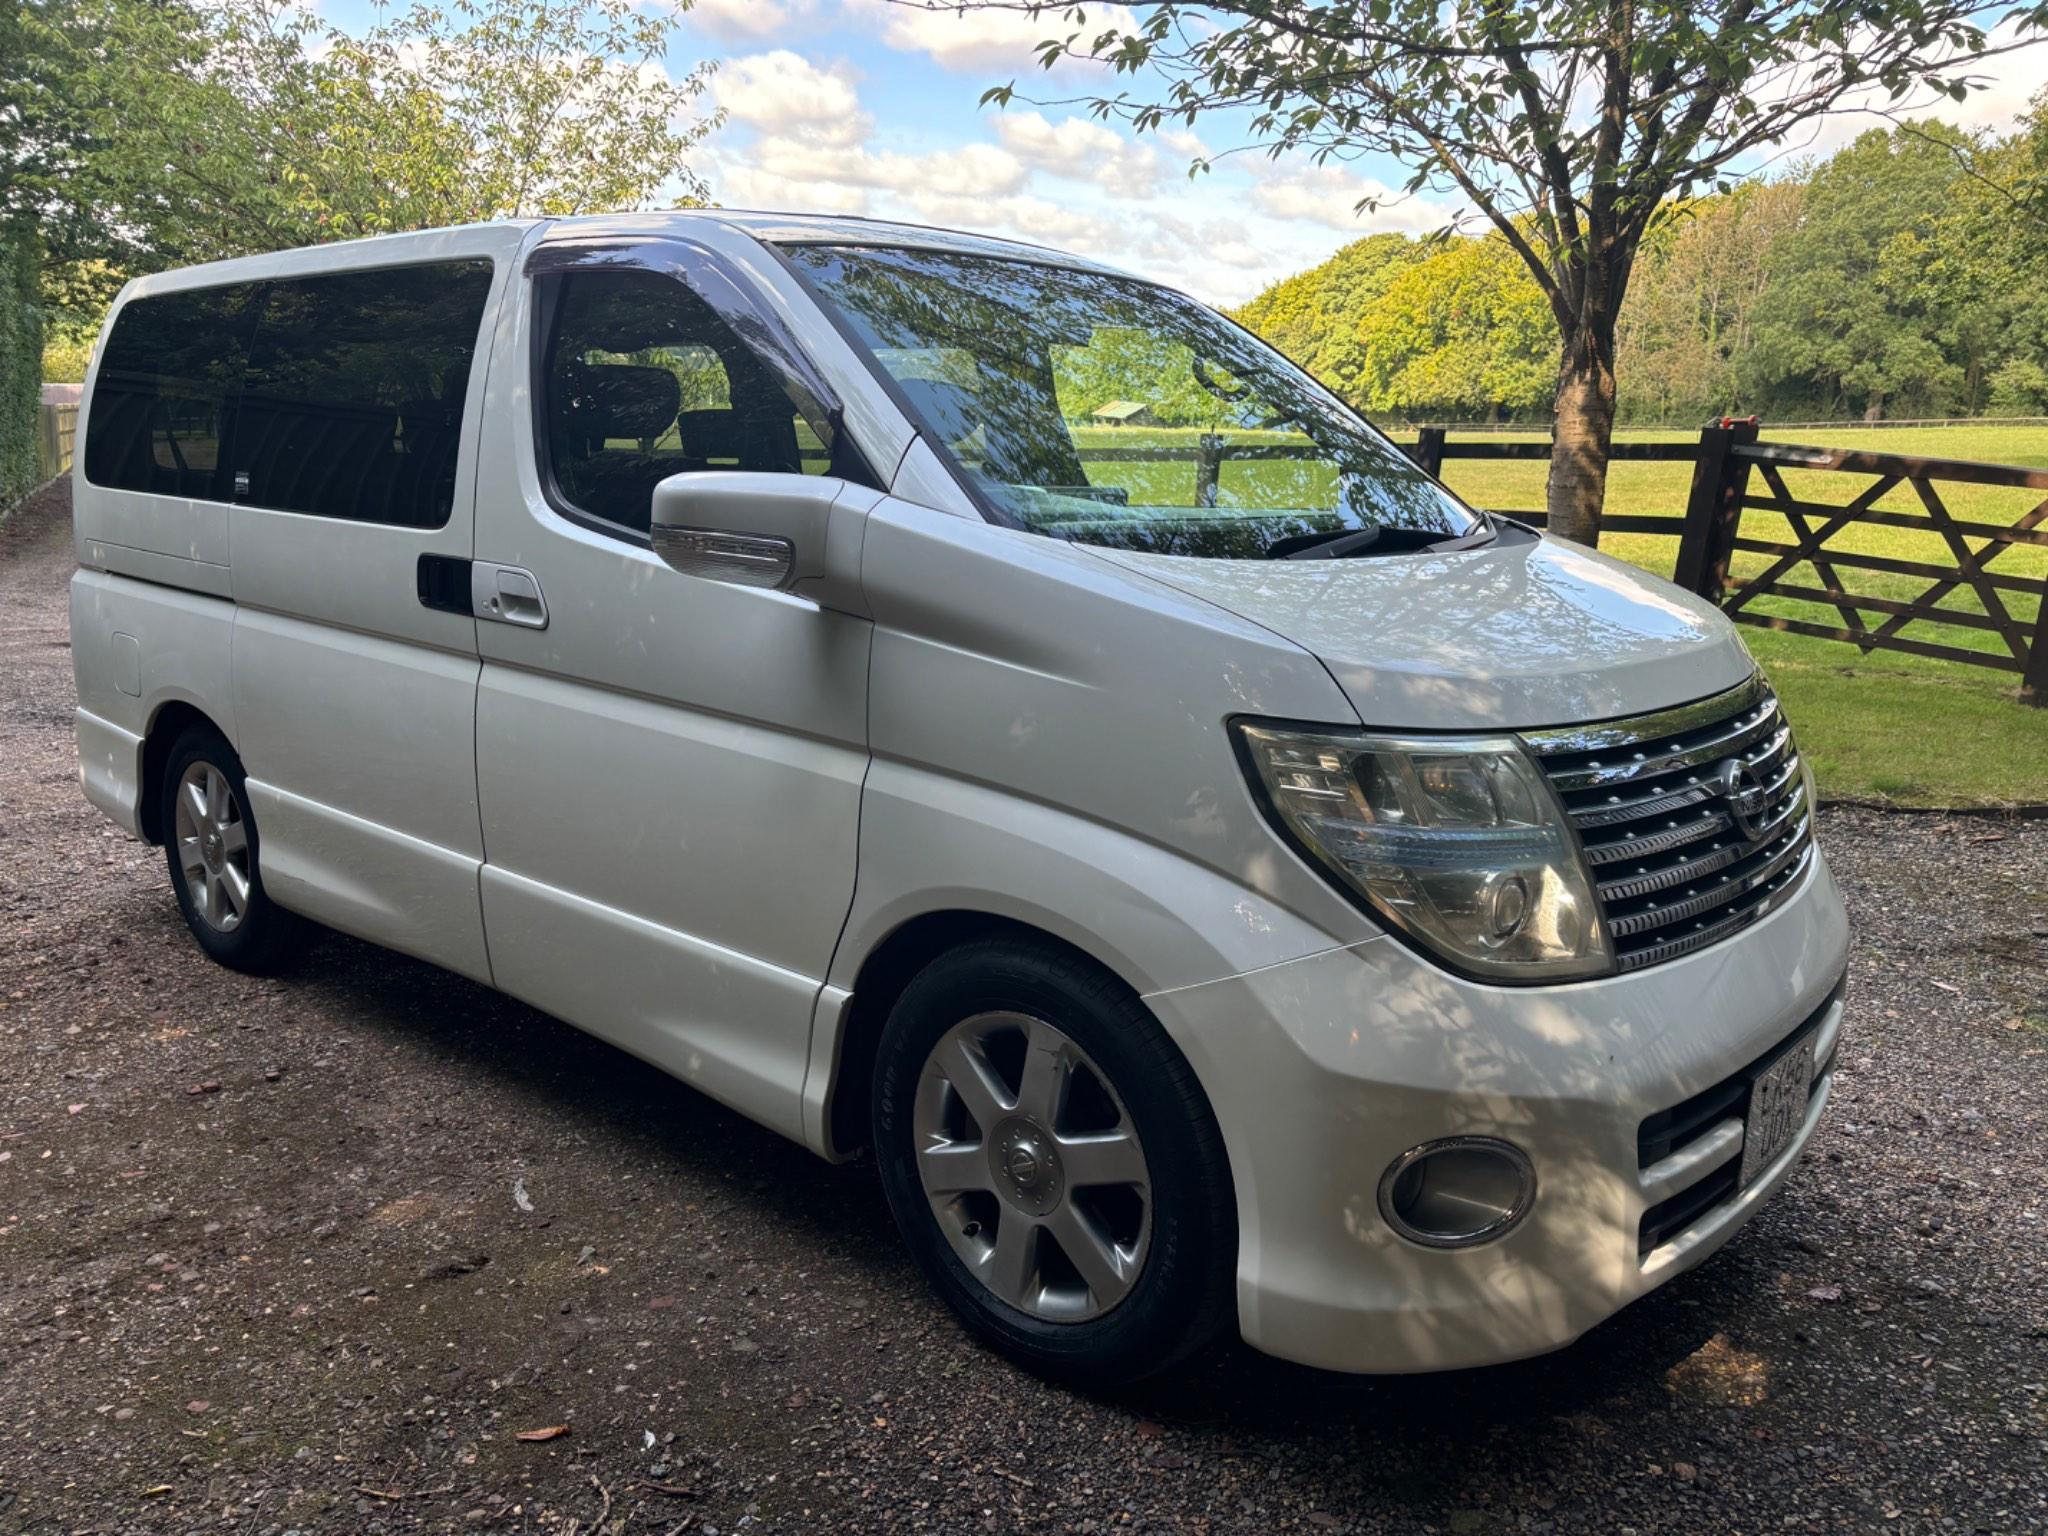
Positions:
{"x": 211, "y": 845}
{"x": 1053, "y": 1163}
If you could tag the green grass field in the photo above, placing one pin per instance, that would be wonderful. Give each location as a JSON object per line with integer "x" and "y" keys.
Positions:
{"x": 1886, "y": 726}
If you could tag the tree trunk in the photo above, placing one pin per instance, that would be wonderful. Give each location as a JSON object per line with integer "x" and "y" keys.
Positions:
{"x": 1583, "y": 434}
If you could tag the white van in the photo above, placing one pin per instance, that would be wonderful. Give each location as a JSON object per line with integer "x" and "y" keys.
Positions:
{"x": 1221, "y": 876}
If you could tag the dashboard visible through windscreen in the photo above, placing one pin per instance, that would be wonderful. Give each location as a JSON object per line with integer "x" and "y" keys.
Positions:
{"x": 1097, "y": 408}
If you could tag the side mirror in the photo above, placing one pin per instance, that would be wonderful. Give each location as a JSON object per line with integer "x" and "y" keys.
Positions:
{"x": 750, "y": 529}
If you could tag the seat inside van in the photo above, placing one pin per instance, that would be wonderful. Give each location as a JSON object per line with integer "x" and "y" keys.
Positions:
{"x": 644, "y": 381}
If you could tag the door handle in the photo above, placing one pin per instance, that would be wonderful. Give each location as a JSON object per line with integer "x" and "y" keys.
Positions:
{"x": 506, "y": 594}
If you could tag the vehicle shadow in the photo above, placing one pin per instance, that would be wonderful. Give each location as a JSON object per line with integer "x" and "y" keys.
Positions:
{"x": 634, "y": 1111}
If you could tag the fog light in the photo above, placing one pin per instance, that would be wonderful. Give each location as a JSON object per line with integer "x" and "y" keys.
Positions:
{"x": 1457, "y": 1192}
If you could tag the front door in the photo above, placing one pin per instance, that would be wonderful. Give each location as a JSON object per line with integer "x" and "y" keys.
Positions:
{"x": 669, "y": 769}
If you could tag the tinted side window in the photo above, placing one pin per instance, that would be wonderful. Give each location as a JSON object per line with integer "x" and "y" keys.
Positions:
{"x": 352, "y": 404}
{"x": 166, "y": 389}
{"x": 642, "y": 380}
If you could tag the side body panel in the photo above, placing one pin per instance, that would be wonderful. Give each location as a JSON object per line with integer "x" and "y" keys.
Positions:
{"x": 357, "y": 703}
{"x": 670, "y": 779}
{"x": 1051, "y": 744}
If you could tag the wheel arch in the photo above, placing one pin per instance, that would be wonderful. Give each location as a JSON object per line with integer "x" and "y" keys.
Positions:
{"x": 171, "y": 720}
{"x": 887, "y": 968}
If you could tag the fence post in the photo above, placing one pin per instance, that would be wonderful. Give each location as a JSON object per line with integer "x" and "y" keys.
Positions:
{"x": 1208, "y": 468}
{"x": 1428, "y": 452}
{"x": 1713, "y": 510}
{"x": 2034, "y": 680}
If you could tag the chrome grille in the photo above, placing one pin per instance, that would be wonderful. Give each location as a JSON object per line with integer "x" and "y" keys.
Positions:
{"x": 1674, "y": 865}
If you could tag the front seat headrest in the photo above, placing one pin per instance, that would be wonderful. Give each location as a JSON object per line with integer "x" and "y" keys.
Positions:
{"x": 625, "y": 400}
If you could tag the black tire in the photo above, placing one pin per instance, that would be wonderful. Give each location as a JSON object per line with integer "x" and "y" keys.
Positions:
{"x": 1184, "y": 1291}
{"x": 264, "y": 938}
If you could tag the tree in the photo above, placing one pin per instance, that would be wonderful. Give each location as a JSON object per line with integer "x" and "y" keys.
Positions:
{"x": 1691, "y": 310}
{"x": 1568, "y": 126}
{"x": 1317, "y": 317}
{"x": 1462, "y": 333}
{"x": 1871, "y": 314}
{"x": 173, "y": 132}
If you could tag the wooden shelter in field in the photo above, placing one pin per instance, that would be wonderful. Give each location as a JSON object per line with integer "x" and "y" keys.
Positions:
{"x": 1123, "y": 413}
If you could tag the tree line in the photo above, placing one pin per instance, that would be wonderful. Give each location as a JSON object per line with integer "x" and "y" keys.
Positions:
{"x": 137, "y": 135}
{"x": 1898, "y": 277}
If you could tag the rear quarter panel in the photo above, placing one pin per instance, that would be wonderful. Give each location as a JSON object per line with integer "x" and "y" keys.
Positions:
{"x": 136, "y": 647}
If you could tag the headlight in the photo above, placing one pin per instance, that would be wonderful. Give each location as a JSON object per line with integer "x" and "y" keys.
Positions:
{"x": 1458, "y": 842}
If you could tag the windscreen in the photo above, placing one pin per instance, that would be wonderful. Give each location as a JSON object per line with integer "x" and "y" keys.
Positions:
{"x": 1104, "y": 410}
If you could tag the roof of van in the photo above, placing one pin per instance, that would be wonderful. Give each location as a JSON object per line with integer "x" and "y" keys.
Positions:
{"x": 824, "y": 228}
{"x": 774, "y": 228}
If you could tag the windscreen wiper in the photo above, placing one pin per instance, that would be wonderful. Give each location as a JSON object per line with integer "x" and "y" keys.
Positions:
{"x": 1344, "y": 543}
{"x": 1325, "y": 546}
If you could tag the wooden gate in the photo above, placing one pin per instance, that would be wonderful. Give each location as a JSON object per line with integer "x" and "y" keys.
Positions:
{"x": 1929, "y": 600}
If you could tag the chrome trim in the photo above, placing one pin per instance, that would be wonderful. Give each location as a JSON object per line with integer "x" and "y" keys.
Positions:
{"x": 1486, "y": 1234}
{"x": 1602, "y": 735}
{"x": 1627, "y": 889}
{"x": 1592, "y": 816}
{"x": 1709, "y": 823}
{"x": 1700, "y": 938}
{"x": 1731, "y": 744}
{"x": 1723, "y": 893}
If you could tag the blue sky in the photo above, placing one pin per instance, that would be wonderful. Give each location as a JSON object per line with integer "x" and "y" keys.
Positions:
{"x": 864, "y": 106}
{"x": 861, "y": 106}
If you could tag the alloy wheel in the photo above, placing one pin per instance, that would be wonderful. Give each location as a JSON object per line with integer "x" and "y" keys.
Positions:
{"x": 213, "y": 846}
{"x": 1032, "y": 1167}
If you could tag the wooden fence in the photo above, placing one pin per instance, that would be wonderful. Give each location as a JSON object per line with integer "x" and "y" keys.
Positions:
{"x": 56, "y": 430}
{"x": 1734, "y": 474}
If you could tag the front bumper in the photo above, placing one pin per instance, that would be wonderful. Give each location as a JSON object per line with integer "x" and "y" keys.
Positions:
{"x": 1323, "y": 1069}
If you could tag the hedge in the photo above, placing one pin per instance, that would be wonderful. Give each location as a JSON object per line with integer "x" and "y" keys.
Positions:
{"x": 21, "y": 366}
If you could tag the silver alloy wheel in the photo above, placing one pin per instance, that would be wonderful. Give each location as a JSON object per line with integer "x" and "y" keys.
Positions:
{"x": 1032, "y": 1166}
{"x": 213, "y": 846}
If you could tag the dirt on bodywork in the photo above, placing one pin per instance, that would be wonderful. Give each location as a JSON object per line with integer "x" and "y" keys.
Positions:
{"x": 370, "y": 1249}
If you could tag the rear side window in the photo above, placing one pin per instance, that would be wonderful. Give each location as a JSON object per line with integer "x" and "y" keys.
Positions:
{"x": 339, "y": 395}
{"x": 166, "y": 390}
{"x": 352, "y": 404}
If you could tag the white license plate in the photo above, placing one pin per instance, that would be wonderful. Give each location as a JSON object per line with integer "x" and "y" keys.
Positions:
{"x": 1777, "y": 1108}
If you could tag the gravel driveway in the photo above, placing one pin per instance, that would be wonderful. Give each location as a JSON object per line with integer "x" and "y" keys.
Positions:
{"x": 310, "y": 1254}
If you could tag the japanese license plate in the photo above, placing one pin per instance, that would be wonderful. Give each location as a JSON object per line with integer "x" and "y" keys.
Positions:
{"x": 1777, "y": 1108}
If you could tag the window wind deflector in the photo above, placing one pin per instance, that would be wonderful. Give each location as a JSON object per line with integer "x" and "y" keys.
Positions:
{"x": 705, "y": 274}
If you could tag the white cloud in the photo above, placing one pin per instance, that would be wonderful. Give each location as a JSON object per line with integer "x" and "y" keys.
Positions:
{"x": 980, "y": 41}
{"x": 737, "y": 20}
{"x": 1021, "y": 217}
{"x": 1081, "y": 150}
{"x": 1329, "y": 195}
{"x": 973, "y": 170}
{"x": 781, "y": 92}
{"x": 741, "y": 185}
{"x": 2002, "y": 88}
{"x": 2005, "y": 86}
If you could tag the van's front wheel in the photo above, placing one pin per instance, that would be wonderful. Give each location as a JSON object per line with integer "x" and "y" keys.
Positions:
{"x": 211, "y": 844}
{"x": 1053, "y": 1163}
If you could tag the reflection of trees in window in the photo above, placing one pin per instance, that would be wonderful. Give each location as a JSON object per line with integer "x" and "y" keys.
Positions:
{"x": 1005, "y": 362}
